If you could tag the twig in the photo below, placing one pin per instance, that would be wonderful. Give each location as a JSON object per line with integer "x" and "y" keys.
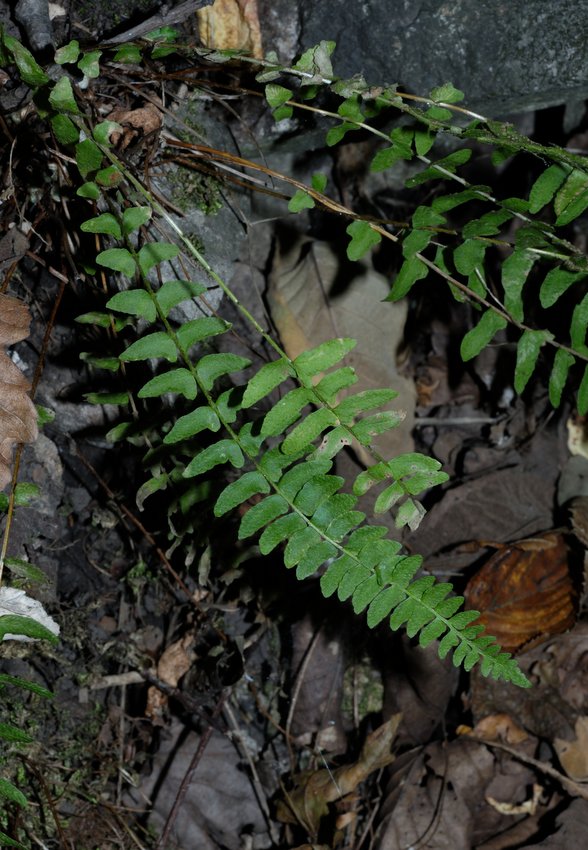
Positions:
{"x": 165, "y": 17}
{"x": 202, "y": 744}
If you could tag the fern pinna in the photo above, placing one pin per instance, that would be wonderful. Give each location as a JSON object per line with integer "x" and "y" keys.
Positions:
{"x": 285, "y": 458}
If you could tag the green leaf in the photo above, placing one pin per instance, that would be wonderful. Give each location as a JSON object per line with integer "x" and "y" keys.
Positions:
{"x": 109, "y": 177}
{"x": 319, "y": 181}
{"x": 300, "y": 201}
{"x": 545, "y": 187}
{"x": 164, "y": 33}
{"x": 294, "y": 479}
{"x": 281, "y": 529}
{"x": 409, "y": 513}
{"x": 282, "y": 113}
{"x": 583, "y": 394}
{"x": 118, "y": 260}
{"x": 153, "y": 345}
{"x": 134, "y": 218}
{"x": 366, "y": 429}
{"x": 112, "y": 364}
{"x": 441, "y": 169}
{"x": 105, "y": 223}
{"x": 285, "y": 412}
{"x": 103, "y": 131}
{"x": 175, "y": 381}
{"x": 572, "y": 199}
{"x": 174, "y": 292}
{"x": 26, "y": 685}
{"x": 201, "y": 419}
{"x": 469, "y": 256}
{"x": 65, "y": 130}
{"x": 30, "y": 72}
{"x": 261, "y": 514}
{"x": 225, "y": 451}
{"x": 239, "y": 491}
{"x": 316, "y": 63}
{"x": 316, "y": 491}
{"x": 62, "y": 97}
{"x": 12, "y": 794}
{"x": 299, "y": 544}
{"x": 515, "y": 271}
{"x": 313, "y": 558}
{"x": 213, "y": 366}
{"x": 363, "y": 238}
{"x": 13, "y": 624}
{"x": 480, "y": 336}
{"x": 88, "y": 157}
{"x": 562, "y": 363}
{"x": 89, "y": 190}
{"x": 350, "y": 407}
{"x": 383, "y": 604}
{"x": 156, "y": 252}
{"x": 198, "y": 330}
{"x": 331, "y": 385}
{"x": 26, "y": 570}
{"x": 68, "y": 53}
{"x": 270, "y": 376}
{"x": 557, "y": 281}
{"x": 488, "y": 225}
{"x": 388, "y": 498}
{"x": 89, "y": 64}
{"x": 411, "y": 270}
{"x": 107, "y": 398}
{"x": 447, "y": 93}
{"x": 579, "y": 325}
{"x": 11, "y": 733}
{"x": 128, "y": 54}
{"x": 322, "y": 357}
{"x": 308, "y": 430}
{"x": 277, "y": 95}
{"x": 153, "y": 485}
{"x": 134, "y": 302}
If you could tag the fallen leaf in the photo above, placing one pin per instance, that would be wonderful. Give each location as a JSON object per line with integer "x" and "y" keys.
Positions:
{"x": 308, "y": 802}
{"x": 231, "y": 25}
{"x": 573, "y": 755}
{"x": 315, "y": 295}
{"x": 135, "y": 122}
{"x": 525, "y": 591}
{"x": 18, "y": 416}
{"x": 175, "y": 661}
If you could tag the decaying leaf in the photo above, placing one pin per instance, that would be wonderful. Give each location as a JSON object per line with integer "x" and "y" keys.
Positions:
{"x": 526, "y": 591}
{"x": 308, "y": 802}
{"x": 135, "y": 122}
{"x": 231, "y": 25}
{"x": 573, "y": 755}
{"x": 18, "y": 417}
{"x": 315, "y": 295}
{"x": 173, "y": 664}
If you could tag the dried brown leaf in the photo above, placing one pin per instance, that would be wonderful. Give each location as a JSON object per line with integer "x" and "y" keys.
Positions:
{"x": 573, "y": 755}
{"x": 309, "y": 800}
{"x": 231, "y": 25}
{"x": 525, "y": 591}
{"x": 18, "y": 416}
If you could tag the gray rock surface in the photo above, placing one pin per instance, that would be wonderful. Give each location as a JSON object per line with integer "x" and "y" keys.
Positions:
{"x": 507, "y": 56}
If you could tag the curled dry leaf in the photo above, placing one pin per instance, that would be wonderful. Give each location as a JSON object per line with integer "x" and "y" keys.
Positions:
{"x": 526, "y": 591}
{"x": 573, "y": 755}
{"x": 135, "y": 122}
{"x": 308, "y": 802}
{"x": 18, "y": 417}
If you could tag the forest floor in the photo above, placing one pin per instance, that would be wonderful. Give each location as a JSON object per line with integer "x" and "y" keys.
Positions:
{"x": 203, "y": 698}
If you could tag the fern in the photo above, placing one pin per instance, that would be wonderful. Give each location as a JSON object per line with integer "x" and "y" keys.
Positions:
{"x": 284, "y": 458}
